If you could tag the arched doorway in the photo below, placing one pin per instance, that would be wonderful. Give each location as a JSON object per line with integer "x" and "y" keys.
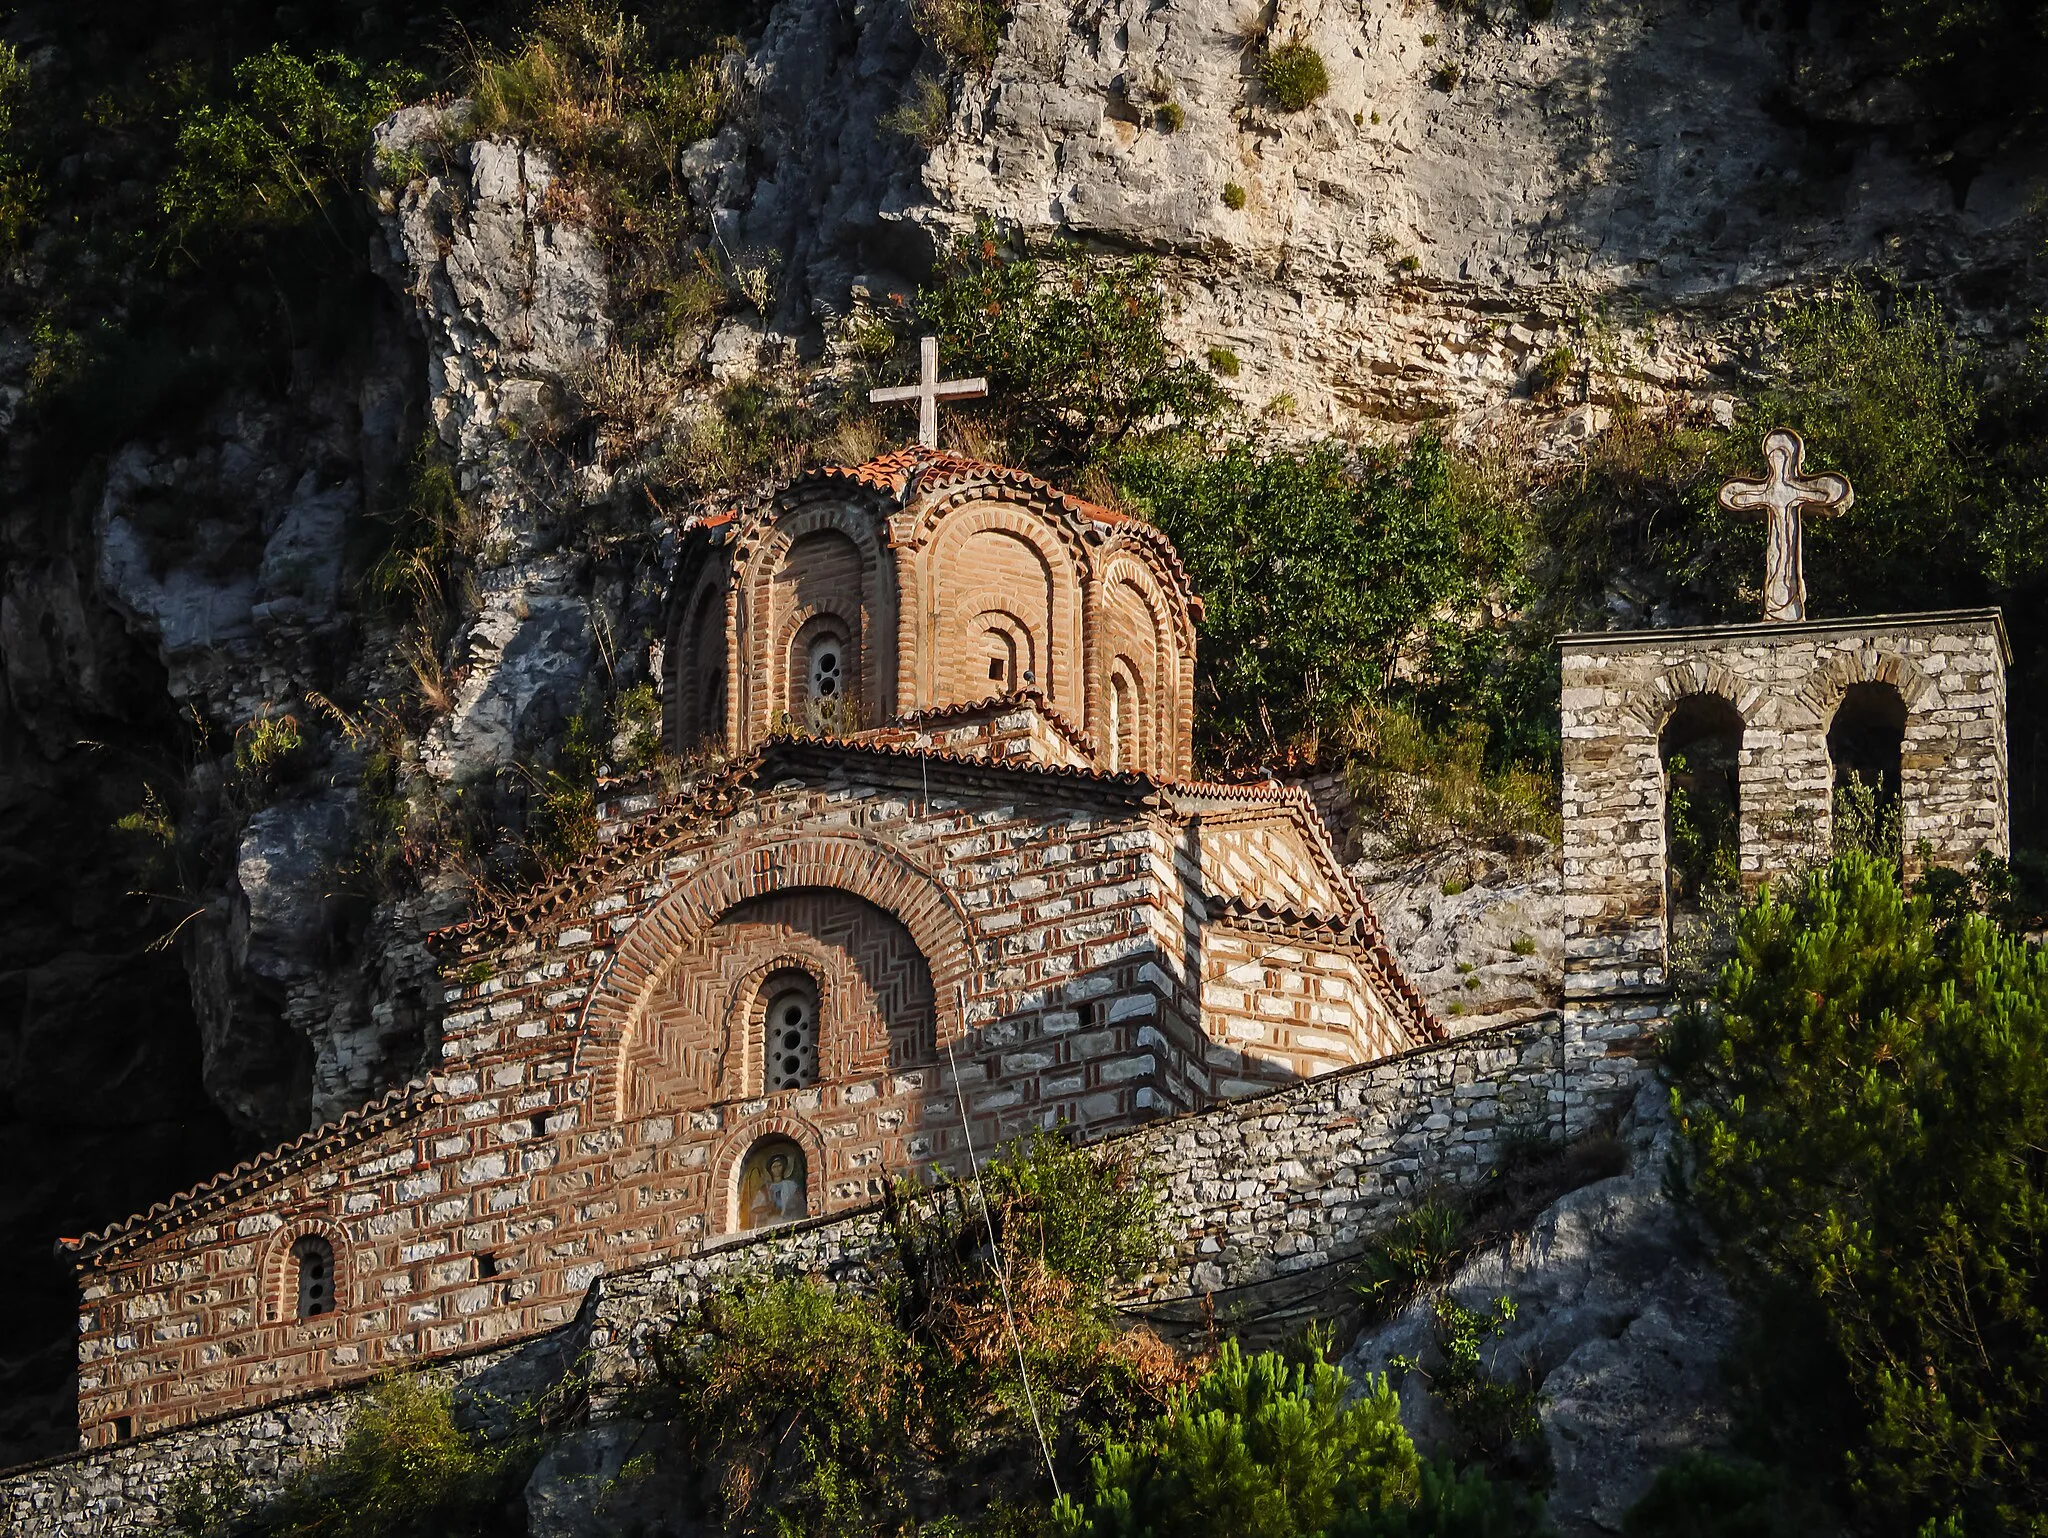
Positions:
{"x": 1866, "y": 741}
{"x": 1701, "y": 752}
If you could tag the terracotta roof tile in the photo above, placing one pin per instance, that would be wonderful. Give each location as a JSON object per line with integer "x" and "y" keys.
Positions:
{"x": 273, "y": 1164}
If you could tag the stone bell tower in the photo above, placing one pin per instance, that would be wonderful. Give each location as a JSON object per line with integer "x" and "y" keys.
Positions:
{"x": 1780, "y": 716}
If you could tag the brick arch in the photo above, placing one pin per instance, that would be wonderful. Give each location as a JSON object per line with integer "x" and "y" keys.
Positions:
{"x": 1169, "y": 585}
{"x": 759, "y": 560}
{"x": 732, "y": 1151}
{"x": 1158, "y": 676}
{"x": 690, "y": 677}
{"x": 846, "y": 862}
{"x": 944, "y": 581}
{"x": 1824, "y": 688}
{"x": 1650, "y": 705}
{"x": 276, "y": 1264}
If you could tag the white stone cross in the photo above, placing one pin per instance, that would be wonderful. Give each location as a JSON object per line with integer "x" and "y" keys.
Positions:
{"x": 1779, "y": 497}
{"x": 929, "y": 391}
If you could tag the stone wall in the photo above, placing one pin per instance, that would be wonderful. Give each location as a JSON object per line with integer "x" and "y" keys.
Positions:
{"x": 1254, "y": 1194}
{"x": 1786, "y": 681}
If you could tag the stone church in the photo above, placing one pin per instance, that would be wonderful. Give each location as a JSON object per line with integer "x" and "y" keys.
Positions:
{"x": 942, "y": 874}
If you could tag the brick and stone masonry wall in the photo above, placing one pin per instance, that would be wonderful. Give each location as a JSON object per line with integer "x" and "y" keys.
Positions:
{"x": 1252, "y": 1192}
{"x": 1786, "y": 681}
{"x": 560, "y": 1142}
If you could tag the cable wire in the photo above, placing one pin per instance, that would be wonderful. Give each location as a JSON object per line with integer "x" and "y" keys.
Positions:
{"x": 981, "y": 1194}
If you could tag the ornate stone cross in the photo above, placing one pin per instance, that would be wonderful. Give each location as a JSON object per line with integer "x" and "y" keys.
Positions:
{"x": 929, "y": 391}
{"x": 1779, "y": 497}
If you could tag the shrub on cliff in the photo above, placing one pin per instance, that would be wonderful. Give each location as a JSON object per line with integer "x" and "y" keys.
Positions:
{"x": 405, "y": 1470}
{"x": 1074, "y": 348}
{"x": 1294, "y": 76}
{"x": 1261, "y": 1446}
{"x": 1865, "y": 1095}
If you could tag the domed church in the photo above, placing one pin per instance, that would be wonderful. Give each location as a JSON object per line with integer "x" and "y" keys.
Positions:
{"x": 938, "y": 872}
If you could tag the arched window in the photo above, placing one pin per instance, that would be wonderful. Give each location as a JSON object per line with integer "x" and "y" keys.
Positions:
{"x": 313, "y": 1270}
{"x": 789, "y": 1026}
{"x": 1123, "y": 718}
{"x": 1701, "y": 749}
{"x": 773, "y": 1185}
{"x": 1866, "y": 741}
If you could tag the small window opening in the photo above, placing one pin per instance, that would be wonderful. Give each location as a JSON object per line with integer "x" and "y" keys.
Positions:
{"x": 124, "y": 1427}
{"x": 995, "y": 669}
{"x": 314, "y": 1259}
{"x": 791, "y": 1058}
{"x": 539, "y": 1123}
{"x": 486, "y": 1265}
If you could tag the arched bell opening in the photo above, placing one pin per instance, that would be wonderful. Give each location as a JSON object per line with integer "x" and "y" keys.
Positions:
{"x": 1866, "y": 743}
{"x": 1701, "y": 752}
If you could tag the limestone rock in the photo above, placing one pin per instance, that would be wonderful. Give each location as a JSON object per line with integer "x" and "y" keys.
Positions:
{"x": 1480, "y": 932}
{"x": 1620, "y": 1321}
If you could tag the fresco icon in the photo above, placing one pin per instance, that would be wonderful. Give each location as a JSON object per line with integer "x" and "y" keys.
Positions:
{"x": 773, "y": 1184}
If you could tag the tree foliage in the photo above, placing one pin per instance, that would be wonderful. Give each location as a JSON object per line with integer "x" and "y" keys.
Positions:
{"x": 1866, "y": 1097}
{"x": 285, "y": 147}
{"x": 1074, "y": 349}
{"x": 1261, "y": 1447}
{"x": 1328, "y": 575}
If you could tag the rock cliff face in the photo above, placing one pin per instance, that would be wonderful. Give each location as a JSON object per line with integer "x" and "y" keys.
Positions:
{"x": 1471, "y": 194}
{"x": 1620, "y": 1326}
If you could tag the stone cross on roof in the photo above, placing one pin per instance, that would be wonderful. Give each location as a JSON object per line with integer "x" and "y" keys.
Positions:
{"x": 929, "y": 391}
{"x": 1779, "y": 497}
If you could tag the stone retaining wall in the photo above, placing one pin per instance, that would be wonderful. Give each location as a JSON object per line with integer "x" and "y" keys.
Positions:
{"x": 1255, "y": 1193}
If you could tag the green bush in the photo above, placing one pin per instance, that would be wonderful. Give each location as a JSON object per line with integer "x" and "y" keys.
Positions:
{"x": 1417, "y": 1251}
{"x": 925, "y": 113}
{"x": 1866, "y": 1100}
{"x": 21, "y": 193}
{"x": 798, "y": 1409}
{"x": 1705, "y": 1496}
{"x": 1263, "y": 1447}
{"x": 1325, "y": 573}
{"x": 286, "y": 149}
{"x": 1223, "y": 361}
{"x": 967, "y": 34}
{"x": 1233, "y": 196}
{"x": 1074, "y": 349}
{"x": 1423, "y": 786}
{"x": 1553, "y": 371}
{"x": 405, "y": 1470}
{"x": 1293, "y": 76}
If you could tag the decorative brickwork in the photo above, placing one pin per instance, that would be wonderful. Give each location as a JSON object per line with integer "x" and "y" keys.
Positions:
{"x": 958, "y": 701}
{"x": 1256, "y": 1198}
{"x": 1785, "y": 684}
{"x": 948, "y": 583}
